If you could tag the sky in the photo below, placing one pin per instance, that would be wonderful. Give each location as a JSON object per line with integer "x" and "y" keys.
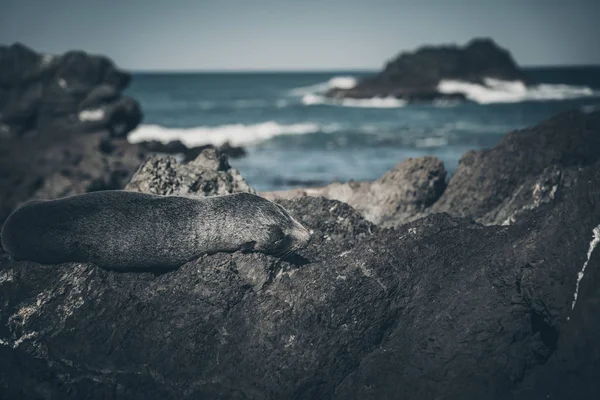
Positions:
{"x": 299, "y": 34}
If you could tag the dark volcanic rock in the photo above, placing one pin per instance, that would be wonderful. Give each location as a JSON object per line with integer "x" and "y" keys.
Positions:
{"x": 190, "y": 153}
{"x": 523, "y": 171}
{"x": 46, "y": 103}
{"x": 72, "y": 93}
{"x": 442, "y": 307}
{"x": 415, "y": 75}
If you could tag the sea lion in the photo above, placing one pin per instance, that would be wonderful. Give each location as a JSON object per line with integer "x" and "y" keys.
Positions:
{"x": 127, "y": 230}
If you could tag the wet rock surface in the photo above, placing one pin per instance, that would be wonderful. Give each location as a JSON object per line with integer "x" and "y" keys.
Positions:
{"x": 441, "y": 307}
{"x": 414, "y": 76}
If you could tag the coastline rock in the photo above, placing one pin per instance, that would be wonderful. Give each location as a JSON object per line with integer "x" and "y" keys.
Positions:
{"x": 208, "y": 175}
{"x": 399, "y": 196}
{"x": 441, "y": 307}
{"x": 414, "y": 76}
{"x": 72, "y": 93}
{"x": 46, "y": 104}
{"x": 190, "y": 153}
{"x": 524, "y": 171}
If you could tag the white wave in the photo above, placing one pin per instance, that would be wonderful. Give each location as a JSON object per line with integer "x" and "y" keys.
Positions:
{"x": 236, "y": 135}
{"x": 497, "y": 91}
{"x": 337, "y": 82}
{"x": 375, "y": 102}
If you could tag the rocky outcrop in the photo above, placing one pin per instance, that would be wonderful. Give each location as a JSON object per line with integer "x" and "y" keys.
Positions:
{"x": 176, "y": 147}
{"x": 399, "y": 196}
{"x": 71, "y": 93}
{"x": 523, "y": 171}
{"x": 63, "y": 122}
{"x": 414, "y": 76}
{"x": 441, "y": 307}
{"x": 208, "y": 175}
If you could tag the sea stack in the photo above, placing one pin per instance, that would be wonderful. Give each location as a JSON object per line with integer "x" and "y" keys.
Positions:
{"x": 415, "y": 76}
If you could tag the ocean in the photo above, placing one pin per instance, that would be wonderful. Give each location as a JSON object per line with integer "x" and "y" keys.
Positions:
{"x": 295, "y": 137}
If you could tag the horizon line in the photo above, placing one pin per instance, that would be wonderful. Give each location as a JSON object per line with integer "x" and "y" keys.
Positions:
{"x": 311, "y": 70}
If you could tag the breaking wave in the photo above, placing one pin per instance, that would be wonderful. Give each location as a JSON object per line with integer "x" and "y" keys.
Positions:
{"x": 375, "y": 102}
{"x": 338, "y": 82}
{"x": 235, "y": 134}
{"x": 497, "y": 91}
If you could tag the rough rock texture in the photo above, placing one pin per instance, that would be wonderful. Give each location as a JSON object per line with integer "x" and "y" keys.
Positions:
{"x": 208, "y": 175}
{"x": 523, "y": 171}
{"x": 442, "y": 307}
{"x": 415, "y": 75}
{"x": 399, "y": 196}
{"x": 74, "y": 92}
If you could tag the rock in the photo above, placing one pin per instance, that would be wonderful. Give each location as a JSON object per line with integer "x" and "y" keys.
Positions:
{"x": 399, "y": 196}
{"x": 46, "y": 104}
{"x": 439, "y": 308}
{"x": 98, "y": 96}
{"x": 73, "y": 93}
{"x": 414, "y": 76}
{"x": 523, "y": 171}
{"x": 190, "y": 153}
{"x": 208, "y": 175}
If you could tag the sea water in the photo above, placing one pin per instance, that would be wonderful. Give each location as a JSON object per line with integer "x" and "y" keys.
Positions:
{"x": 297, "y": 137}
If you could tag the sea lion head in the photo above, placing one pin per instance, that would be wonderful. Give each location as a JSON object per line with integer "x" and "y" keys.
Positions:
{"x": 273, "y": 229}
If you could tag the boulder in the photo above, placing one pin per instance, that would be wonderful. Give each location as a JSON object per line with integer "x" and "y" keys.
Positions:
{"x": 71, "y": 93}
{"x": 399, "y": 196}
{"x": 523, "y": 171}
{"x": 208, "y": 175}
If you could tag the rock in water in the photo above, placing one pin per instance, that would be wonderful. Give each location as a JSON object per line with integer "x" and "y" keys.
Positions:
{"x": 414, "y": 76}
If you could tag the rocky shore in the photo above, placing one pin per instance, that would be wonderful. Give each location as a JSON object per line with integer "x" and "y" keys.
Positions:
{"x": 415, "y": 76}
{"x": 473, "y": 297}
{"x": 63, "y": 127}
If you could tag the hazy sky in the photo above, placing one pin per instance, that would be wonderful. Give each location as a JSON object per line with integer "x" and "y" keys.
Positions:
{"x": 299, "y": 34}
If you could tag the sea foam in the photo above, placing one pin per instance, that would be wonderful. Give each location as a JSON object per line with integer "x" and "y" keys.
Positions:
{"x": 374, "y": 102}
{"x": 235, "y": 134}
{"x": 498, "y": 91}
{"x": 337, "y": 82}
